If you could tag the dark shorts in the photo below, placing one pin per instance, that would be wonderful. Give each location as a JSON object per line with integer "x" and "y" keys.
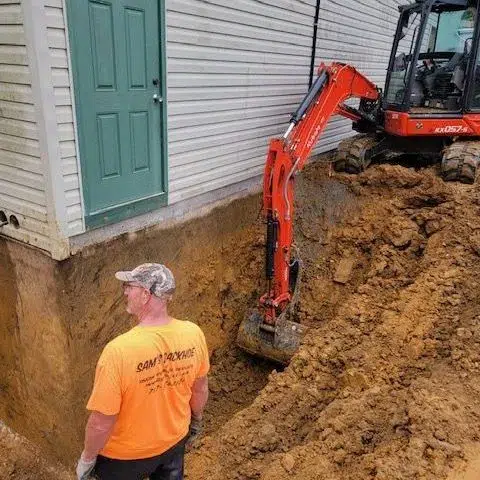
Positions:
{"x": 167, "y": 466}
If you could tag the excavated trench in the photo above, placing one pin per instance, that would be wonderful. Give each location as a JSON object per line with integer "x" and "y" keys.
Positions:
{"x": 218, "y": 262}
{"x": 385, "y": 385}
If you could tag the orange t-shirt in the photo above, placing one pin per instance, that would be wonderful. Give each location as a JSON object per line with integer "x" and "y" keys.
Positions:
{"x": 145, "y": 376}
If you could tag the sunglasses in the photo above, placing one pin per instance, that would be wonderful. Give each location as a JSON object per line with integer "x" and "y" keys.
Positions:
{"x": 128, "y": 284}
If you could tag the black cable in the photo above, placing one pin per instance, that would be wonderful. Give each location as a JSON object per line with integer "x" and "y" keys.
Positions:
{"x": 314, "y": 43}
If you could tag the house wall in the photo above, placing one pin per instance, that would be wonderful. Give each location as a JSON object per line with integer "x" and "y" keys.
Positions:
{"x": 238, "y": 70}
{"x": 22, "y": 179}
{"x": 64, "y": 114}
{"x": 235, "y": 73}
{"x": 34, "y": 184}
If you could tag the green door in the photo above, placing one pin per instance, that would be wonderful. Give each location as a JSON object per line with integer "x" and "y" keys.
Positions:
{"x": 116, "y": 57}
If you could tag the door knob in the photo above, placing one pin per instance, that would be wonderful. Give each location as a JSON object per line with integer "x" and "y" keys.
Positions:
{"x": 157, "y": 98}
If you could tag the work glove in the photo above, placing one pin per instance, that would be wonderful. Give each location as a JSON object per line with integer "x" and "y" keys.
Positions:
{"x": 194, "y": 431}
{"x": 84, "y": 468}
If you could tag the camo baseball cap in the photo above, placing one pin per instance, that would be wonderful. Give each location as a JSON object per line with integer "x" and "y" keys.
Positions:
{"x": 153, "y": 276}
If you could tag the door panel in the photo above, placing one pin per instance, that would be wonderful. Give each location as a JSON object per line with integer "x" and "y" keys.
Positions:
{"x": 136, "y": 48}
{"x": 108, "y": 143}
{"x": 140, "y": 153}
{"x": 102, "y": 41}
{"x": 117, "y": 58}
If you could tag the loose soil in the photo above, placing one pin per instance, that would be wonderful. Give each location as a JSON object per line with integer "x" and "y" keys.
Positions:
{"x": 20, "y": 460}
{"x": 386, "y": 383}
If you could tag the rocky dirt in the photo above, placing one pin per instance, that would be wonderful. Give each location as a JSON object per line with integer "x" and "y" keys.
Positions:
{"x": 386, "y": 384}
{"x": 20, "y": 460}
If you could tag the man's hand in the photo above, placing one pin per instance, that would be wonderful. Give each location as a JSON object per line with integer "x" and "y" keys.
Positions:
{"x": 98, "y": 430}
{"x": 197, "y": 404}
{"x": 194, "y": 431}
{"x": 85, "y": 467}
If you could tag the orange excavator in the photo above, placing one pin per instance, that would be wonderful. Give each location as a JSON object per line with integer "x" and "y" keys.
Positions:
{"x": 430, "y": 107}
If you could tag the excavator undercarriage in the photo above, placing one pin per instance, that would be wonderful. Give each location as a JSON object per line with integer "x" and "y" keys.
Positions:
{"x": 355, "y": 154}
{"x": 459, "y": 159}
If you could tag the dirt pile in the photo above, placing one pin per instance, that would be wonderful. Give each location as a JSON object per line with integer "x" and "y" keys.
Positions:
{"x": 20, "y": 460}
{"x": 386, "y": 385}
{"x": 235, "y": 379}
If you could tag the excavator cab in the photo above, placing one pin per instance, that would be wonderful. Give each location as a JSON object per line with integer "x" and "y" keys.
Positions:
{"x": 433, "y": 63}
{"x": 430, "y": 107}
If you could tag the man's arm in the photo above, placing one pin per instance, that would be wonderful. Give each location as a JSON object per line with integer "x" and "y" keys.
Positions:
{"x": 199, "y": 397}
{"x": 97, "y": 432}
{"x": 197, "y": 404}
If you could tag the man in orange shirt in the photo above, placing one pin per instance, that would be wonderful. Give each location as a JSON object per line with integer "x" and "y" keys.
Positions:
{"x": 150, "y": 388}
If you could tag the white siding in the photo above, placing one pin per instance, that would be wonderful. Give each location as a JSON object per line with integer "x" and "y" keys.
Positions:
{"x": 361, "y": 33}
{"x": 236, "y": 71}
{"x": 22, "y": 182}
{"x": 57, "y": 44}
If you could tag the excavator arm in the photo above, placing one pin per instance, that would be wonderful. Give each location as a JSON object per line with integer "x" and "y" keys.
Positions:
{"x": 267, "y": 333}
{"x": 334, "y": 85}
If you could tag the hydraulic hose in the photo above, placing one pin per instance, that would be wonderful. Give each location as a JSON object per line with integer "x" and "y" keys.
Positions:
{"x": 272, "y": 236}
{"x": 317, "y": 87}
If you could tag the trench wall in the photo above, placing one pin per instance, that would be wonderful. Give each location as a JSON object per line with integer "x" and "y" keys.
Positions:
{"x": 55, "y": 317}
{"x": 35, "y": 380}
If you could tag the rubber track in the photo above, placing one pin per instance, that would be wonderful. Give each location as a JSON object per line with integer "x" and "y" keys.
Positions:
{"x": 460, "y": 161}
{"x": 351, "y": 154}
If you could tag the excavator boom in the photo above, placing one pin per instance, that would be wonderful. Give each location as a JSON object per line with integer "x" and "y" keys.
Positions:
{"x": 268, "y": 332}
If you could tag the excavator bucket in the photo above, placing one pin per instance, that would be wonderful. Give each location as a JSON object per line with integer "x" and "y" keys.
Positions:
{"x": 277, "y": 343}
